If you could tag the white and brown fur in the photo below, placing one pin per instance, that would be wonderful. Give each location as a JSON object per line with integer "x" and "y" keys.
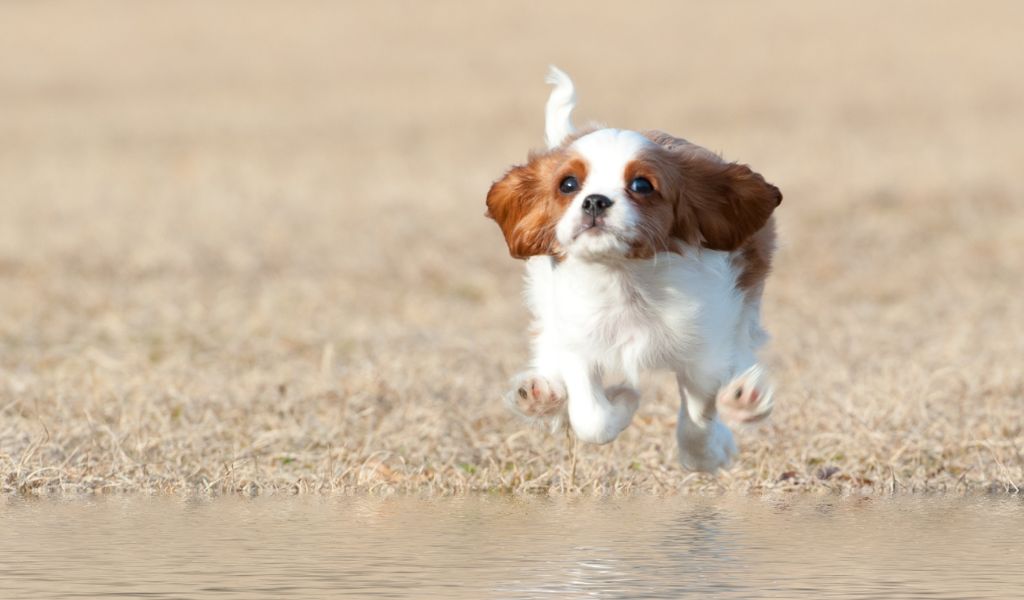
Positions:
{"x": 667, "y": 277}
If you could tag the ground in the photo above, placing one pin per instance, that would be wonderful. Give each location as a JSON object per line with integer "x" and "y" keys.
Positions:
{"x": 242, "y": 246}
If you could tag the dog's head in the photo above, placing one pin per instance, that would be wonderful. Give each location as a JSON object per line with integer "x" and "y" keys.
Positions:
{"x": 611, "y": 193}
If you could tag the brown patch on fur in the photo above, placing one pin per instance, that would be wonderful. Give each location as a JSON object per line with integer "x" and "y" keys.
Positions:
{"x": 755, "y": 259}
{"x": 526, "y": 202}
{"x": 728, "y": 202}
{"x": 672, "y": 143}
{"x": 656, "y": 212}
{"x": 718, "y": 205}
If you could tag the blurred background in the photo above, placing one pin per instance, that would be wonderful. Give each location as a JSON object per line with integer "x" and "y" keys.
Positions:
{"x": 242, "y": 245}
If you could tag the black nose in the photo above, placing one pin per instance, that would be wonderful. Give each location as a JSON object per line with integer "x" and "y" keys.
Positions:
{"x": 595, "y": 204}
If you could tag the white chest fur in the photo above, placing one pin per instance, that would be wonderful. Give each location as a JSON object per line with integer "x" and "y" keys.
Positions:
{"x": 632, "y": 315}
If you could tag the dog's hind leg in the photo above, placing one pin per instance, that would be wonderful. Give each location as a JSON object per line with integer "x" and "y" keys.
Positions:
{"x": 747, "y": 399}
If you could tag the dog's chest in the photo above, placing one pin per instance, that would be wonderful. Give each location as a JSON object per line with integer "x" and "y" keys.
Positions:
{"x": 624, "y": 316}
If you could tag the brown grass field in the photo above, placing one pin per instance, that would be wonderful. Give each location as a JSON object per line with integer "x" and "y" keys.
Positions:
{"x": 242, "y": 247}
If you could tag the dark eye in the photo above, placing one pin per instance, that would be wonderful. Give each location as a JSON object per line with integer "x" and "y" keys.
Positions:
{"x": 641, "y": 185}
{"x": 569, "y": 185}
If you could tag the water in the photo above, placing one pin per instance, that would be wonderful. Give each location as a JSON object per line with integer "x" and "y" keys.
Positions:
{"x": 496, "y": 547}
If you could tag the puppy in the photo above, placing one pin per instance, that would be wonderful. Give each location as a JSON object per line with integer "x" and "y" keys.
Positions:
{"x": 643, "y": 251}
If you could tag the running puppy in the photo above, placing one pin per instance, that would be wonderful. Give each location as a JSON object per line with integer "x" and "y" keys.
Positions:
{"x": 643, "y": 251}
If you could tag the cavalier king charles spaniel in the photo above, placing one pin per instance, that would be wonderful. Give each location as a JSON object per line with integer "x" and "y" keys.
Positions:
{"x": 643, "y": 251}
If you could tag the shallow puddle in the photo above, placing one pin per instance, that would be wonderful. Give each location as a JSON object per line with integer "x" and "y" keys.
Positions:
{"x": 491, "y": 547}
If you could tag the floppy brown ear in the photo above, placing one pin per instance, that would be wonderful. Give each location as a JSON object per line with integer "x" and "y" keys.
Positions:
{"x": 723, "y": 203}
{"x": 719, "y": 205}
{"x": 521, "y": 205}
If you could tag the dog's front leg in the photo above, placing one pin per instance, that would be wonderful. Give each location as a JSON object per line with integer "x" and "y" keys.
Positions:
{"x": 561, "y": 381}
{"x": 705, "y": 443}
{"x": 596, "y": 416}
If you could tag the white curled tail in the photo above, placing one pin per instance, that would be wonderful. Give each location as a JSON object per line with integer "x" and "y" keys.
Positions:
{"x": 558, "y": 114}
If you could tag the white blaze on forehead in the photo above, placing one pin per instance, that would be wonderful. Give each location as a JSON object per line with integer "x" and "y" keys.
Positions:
{"x": 607, "y": 152}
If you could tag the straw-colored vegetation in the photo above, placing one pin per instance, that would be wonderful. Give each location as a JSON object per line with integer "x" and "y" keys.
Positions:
{"x": 242, "y": 248}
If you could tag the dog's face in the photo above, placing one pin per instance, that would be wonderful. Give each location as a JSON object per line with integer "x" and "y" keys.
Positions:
{"x": 609, "y": 191}
{"x": 613, "y": 193}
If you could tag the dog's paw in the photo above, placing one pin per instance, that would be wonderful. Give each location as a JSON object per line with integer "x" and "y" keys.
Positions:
{"x": 707, "y": 450}
{"x": 747, "y": 398}
{"x": 625, "y": 400}
{"x": 600, "y": 420}
{"x": 536, "y": 397}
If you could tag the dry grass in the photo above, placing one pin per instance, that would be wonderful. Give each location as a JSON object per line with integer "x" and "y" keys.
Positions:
{"x": 242, "y": 250}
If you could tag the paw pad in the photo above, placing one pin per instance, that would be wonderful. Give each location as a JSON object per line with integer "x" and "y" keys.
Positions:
{"x": 746, "y": 399}
{"x": 535, "y": 396}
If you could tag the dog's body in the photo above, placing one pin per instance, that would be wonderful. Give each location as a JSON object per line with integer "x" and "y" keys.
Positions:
{"x": 644, "y": 252}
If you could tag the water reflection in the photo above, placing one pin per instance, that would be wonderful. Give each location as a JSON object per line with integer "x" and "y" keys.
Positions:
{"x": 511, "y": 548}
